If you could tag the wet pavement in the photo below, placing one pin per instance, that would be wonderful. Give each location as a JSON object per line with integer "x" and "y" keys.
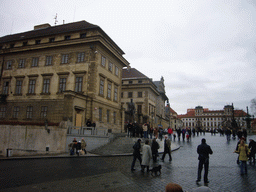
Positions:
{"x": 112, "y": 173}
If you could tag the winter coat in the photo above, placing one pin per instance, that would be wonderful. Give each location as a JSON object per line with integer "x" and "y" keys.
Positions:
{"x": 167, "y": 145}
{"x": 155, "y": 147}
{"x": 146, "y": 155}
{"x": 136, "y": 149}
{"x": 243, "y": 151}
{"x": 83, "y": 144}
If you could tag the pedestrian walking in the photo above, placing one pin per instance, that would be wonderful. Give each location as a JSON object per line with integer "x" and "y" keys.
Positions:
{"x": 154, "y": 148}
{"x": 156, "y": 132}
{"x": 252, "y": 147}
{"x": 243, "y": 151}
{"x": 203, "y": 151}
{"x": 136, "y": 153}
{"x": 238, "y": 143}
{"x": 129, "y": 130}
{"x": 167, "y": 148}
{"x": 146, "y": 156}
{"x": 170, "y": 132}
{"x": 145, "y": 130}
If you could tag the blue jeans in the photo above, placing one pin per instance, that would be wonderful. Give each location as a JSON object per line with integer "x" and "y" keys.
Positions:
{"x": 243, "y": 167}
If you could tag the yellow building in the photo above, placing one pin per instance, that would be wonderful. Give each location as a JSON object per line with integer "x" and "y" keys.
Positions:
{"x": 58, "y": 73}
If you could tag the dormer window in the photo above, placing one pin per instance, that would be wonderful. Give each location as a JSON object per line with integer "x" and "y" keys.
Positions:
{"x": 51, "y": 40}
{"x": 130, "y": 82}
{"x": 67, "y": 37}
{"x": 24, "y": 43}
{"x": 82, "y": 35}
{"x": 38, "y": 42}
{"x": 12, "y": 45}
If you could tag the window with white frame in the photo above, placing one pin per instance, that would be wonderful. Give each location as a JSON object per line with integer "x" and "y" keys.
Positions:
{"x": 109, "y": 90}
{"x": 48, "y": 60}
{"x": 64, "y": 58}
{"x": 62, "y": 84}
{"x": 21, "y": 63}
{"x": 115, "y": 93}
{"x": 35, "y": 61}
{"x": 110, "y": 66}
{"x": 78, "y": 84}
{"x": 46, "y": 85}
{"x": 31, "y": 86}
{"x": 80, "y": 57}
{"x": 44, "y": 111}
{"x": 116, "y": 71}
{"x": 103, "y": 61}
{"x": 9, "y": 64}
{"x": 6, "y": 87}
{"x": 18, "y": 88}
{"x": 16, "y": 111}
{"x": 29, "y": 112}
{"x": 2, "y": 112}
{"x": 102, "y": 80}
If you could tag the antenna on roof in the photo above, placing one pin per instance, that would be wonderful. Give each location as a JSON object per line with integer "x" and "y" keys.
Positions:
{"x": 55, "y": 19}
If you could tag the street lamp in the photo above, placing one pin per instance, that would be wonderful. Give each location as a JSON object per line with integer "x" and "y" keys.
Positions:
{"x": 248, "y": 120}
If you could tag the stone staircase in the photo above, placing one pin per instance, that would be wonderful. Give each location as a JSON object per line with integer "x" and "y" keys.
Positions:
{"x": 119, "y": 145}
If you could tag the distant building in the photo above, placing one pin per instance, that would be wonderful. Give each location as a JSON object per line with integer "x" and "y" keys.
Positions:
{"x": 58, "y": 73}
{"x": 148, "y": 98}
{"x": 206, "y": 119}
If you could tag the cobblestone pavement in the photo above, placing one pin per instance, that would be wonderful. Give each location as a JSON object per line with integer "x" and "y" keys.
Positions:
{"x": 113, "y": 173}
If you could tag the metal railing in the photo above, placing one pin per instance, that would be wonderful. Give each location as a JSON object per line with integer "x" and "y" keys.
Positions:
{"x": 87, "y": 131}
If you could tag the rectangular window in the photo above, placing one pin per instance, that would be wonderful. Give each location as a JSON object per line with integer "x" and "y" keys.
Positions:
{"x": 139, "y": 94}
{"x": 38, "y": 42}
{"x": 64, "y": 58}
{"x": 46, "y": 85}
{"x": 21, "y": 63}
{"x": 117, "y": 71}
{"x": 100, "y": 114}
{"x": 110, "y": 66}
{"x": 51, "y": 40}
{"x": 24, "y": 43}
{"x": 32, "y": 84}
{"x": 115, "y": 94}
{"x": 139, "y": 109}
{"x": 2, "y": 112}
{"x": 80, "y": 57}
{"x": 48, "y": 60}
{"x": 102, "y": 87}
{"x": 29, "y": 112}
{"x": 67, "y": 37}
{"x": 114, "y": 117}
{"x": 129, "y": 94}
{"x": 35, "y": 62}
{"x": 108, "y": 112}
{"x": 62, "y": 86}
{"x": 9, "y": 65}
{"x": 109, "y": 90}
{"x": 16, "y": 111}
{"x": 82, "y": 35}
{"x": 79, "y": 83}
{"x": 103, "y": 61}
{"x": 18, "y": 87}
{"x": 6, "y": 87}
{"x": 140, "y": 81}
{"x": 130, "y": 82}
{"x": 43, "y": 111}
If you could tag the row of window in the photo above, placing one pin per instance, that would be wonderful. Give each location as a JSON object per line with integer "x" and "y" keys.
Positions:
{"x": 110, "y": 65}
{"x": 48, "y": 61}
{"x": 50, "y": 40}
{"x": 108, "y": 118}
{"x": 209, "y": 119}
{"x": 61, "y": 88}
{"x": 130, "y": 94}
{"x": 29, "y": 112}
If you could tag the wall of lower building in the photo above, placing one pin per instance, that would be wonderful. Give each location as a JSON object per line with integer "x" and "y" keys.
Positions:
{"x": 31, "y": 140}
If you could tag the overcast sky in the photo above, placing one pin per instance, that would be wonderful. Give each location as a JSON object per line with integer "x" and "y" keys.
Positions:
{"x": 204, "y": 49}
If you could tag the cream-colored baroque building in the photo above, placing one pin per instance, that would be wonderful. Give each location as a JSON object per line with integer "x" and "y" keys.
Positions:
{"x": 58, "y": 73}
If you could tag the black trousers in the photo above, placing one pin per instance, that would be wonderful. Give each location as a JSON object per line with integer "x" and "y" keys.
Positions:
{"x": 203, "y": 163}
{"x": 167, "y": 152}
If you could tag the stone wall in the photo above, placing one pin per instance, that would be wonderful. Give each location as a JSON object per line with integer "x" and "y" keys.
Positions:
{"x": 32, "y": 140}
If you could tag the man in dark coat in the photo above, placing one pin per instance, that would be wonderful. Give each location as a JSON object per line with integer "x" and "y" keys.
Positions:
{"x": 167, "y": 148}
{"x": 203, "y": 150}
{"x": 154, "y": 149}
{"x": 136, "y": 153}
{"x": 252, "y": 147}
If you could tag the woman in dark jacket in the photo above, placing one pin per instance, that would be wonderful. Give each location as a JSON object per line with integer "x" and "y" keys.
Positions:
{"x": 154, "y": 148}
